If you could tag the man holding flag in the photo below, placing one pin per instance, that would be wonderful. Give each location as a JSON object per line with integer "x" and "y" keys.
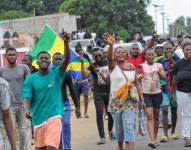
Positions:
{"x": 42, "y": 98}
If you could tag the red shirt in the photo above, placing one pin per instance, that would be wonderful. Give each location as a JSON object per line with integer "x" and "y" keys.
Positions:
{"x": 138, "y": 60}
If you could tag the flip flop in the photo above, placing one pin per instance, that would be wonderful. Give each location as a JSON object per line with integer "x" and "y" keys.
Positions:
{"x": 174, "y": 137}
{"x": 164, "y": 139}
{"x": 152, "y": 145}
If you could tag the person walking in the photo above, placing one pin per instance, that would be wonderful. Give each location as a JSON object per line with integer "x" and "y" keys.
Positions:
{"x": 182, "y": 82}
{"x": 15, "y": 74}
{"x": 101, "y": 89}
{"x": 5, "y": 101}
{"x": 122, "y": 107}
{"x": 168, "y": 61}
{"x": 43, "y": 99}
{"x": 65, "y": 142}
{"x": 150, "y": 83}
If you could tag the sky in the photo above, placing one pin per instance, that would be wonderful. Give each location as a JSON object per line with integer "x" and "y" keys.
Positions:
{"x": 172, "y": 9}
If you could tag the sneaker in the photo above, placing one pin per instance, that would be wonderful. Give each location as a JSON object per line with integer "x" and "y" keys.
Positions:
{"x": 101, "y": 141}
{"x": 32, "y": 142}
{"x": 86, "y": 116}
{"x": 164, "y": 139}
{"x": 187, "y": 142}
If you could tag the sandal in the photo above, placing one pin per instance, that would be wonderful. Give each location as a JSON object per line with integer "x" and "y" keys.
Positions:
{"x": 174, "y": 137}
{"x": 152, "y": 145}
{"x": 164, "y": 139}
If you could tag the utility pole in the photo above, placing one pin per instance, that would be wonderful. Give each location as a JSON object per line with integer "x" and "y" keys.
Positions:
{"x": 163, "y": 21}
{"x": 156, "y": 6}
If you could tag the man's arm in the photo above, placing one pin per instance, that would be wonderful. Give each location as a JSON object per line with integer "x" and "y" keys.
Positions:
{"x": 27, "y": 111}
{"x": 64, "y": 64}
{"x": 85, "y": 72}
{"x": 72, "y": 90}
{"x": 9, "y": 128}
{"x": 5, "y": 98}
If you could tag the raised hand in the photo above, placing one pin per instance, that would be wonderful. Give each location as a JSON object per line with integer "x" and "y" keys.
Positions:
{"x": 65, "y": 36}
{"x": 110, "y": 39}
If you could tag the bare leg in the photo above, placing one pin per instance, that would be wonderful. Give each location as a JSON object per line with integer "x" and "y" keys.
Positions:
{"x": 156, "y": 122}
{"x": 165, "y": 120}
{"x": 150, "y": 123}
{"x": 129, "y": 146}
{"x": 79, "y": 103}
{"x": 174, "y": 119}
{"x": 120, "y": 146}
{"x": 86, "y": 102}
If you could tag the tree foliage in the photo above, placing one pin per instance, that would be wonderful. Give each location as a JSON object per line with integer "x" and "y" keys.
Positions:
{"x": 13, "y": 14}
{"x": 111, "y": 15}
{"x": 24, "y": 8}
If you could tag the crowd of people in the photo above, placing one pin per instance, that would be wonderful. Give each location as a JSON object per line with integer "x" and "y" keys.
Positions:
{"x": 152, "y": 82}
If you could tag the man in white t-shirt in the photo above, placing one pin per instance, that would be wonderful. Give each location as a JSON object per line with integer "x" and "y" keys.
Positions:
{"x": 179, "y": 51}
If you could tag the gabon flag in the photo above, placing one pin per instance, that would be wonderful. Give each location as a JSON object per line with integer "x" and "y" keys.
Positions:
{"x": 51, "y": 42}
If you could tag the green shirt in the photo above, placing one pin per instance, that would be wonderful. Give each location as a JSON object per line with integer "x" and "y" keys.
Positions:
{"x": 44, "y": 93}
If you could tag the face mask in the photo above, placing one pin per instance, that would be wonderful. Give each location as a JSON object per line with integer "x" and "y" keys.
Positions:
{"x": 134, "y": 55}
{"x": 99, "y": 61}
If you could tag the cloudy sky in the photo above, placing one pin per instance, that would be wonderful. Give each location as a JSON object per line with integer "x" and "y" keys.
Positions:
{"x": 172, "y": 9}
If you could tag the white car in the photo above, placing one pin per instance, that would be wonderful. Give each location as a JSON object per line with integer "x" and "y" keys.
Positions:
{"x": 84, "y": 43}
{"x": 127, "y": 46}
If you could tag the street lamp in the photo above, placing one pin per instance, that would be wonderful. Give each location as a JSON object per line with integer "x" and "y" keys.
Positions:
{"x": 156, "y": 6}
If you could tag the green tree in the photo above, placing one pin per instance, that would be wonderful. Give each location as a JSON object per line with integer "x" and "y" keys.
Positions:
{"x": 111, "y": 15}
{"x": 13, "y": 14}
{"x": 52, "y": 6}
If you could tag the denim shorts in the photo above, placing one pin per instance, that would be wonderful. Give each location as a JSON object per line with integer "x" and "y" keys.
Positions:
{"x": 124, "y": 123}
{"x": 82, "y": 88}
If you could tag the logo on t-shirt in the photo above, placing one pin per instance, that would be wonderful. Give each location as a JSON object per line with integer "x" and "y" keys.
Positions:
{"x": 51, "y": 83}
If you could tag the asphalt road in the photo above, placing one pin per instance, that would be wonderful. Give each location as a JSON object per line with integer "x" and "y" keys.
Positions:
{"x": 85, "y": 136}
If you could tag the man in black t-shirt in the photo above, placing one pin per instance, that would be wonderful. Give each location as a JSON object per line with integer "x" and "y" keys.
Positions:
{"x": 101, "y": 89}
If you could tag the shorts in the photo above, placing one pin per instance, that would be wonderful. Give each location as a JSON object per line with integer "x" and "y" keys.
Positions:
{"x": 167, "y": 102}
{"x": 48, "y": 134}
{"x": 124, "y": 123}
{"x": 82, "y": 88}
{"x": 153, "y": 100}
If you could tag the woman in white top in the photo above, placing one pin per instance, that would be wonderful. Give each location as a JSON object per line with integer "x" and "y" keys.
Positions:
{"x": 151, "y": 89}
{"x": 124, "y": 113}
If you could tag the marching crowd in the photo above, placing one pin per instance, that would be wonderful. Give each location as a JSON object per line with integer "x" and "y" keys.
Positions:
{"x": 152, "y": 82}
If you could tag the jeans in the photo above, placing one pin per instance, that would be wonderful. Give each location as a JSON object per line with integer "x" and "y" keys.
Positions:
{"x": 124, "y": 123}
{"x": 18, "y": 115}
{"x": 184, "y": 107}
{"x": 100, "y": 102}
{"x": 65, "y": 142}
{"x": 142, "y": 121}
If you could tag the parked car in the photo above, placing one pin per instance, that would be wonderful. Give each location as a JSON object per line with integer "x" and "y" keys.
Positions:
{"x": 127, "y": 46}
{"x": 84, "y": 43}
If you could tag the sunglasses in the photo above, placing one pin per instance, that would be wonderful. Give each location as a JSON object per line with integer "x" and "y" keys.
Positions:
{"x": 57, "y": 58}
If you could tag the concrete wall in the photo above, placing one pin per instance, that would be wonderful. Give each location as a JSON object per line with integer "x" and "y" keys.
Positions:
{"x": 34, "y": 25}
